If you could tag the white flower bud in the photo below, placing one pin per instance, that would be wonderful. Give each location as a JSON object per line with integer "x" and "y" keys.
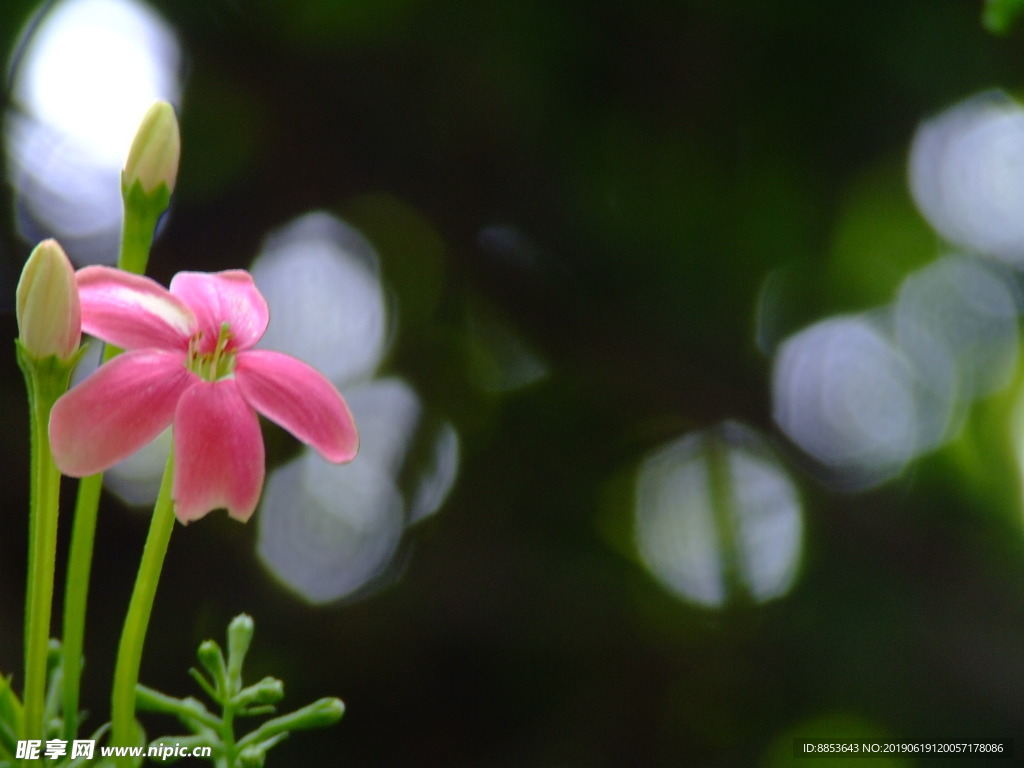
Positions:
{"x": 155, "y": 151}
{"x": 48, "y": 309}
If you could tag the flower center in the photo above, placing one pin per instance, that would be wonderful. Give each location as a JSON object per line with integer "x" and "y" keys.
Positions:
{"x": 214, "y": 365}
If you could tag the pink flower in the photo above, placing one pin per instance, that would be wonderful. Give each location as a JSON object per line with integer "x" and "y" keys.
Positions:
{"x": 189, "y": 363}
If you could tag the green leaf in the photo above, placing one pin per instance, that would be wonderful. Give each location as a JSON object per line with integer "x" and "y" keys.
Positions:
{"x": 10, "y": 718}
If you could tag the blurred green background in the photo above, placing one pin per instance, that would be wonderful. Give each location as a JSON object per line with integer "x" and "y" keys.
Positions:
{"x": 640, "y": 200}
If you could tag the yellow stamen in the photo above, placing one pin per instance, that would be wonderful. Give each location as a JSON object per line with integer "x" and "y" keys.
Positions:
{"x": 215, "y": 365}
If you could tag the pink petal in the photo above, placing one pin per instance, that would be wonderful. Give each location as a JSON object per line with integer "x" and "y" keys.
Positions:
{"x": 300, "y": 399}
{"x": 218, "y": 453}
{"x": 120, "y": 408}
{"x": 132, "y": 311}
{"x": 224, "y": 297}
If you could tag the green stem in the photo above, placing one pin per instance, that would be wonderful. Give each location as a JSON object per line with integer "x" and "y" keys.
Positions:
{"x": 45, "y": 497}
{"x": 46, "y": 380}
{"x": 227, "y": 734}
{"x": 31, "y": 611}
{"x": 133, "y": 636}
{"x": 188, "y": 710}
{"x": 76, "y": 593}
{"x": 141, "y": 214}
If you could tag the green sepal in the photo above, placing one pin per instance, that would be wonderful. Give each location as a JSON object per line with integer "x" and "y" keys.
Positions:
{"x": 46, "y": 376}
{"x": 145, "y": 205}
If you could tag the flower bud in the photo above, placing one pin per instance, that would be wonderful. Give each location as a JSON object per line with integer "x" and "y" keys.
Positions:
{"x": 320, "y": 713}
{"x": 211, "y": 657}
{"x": 239, "y": 637}
{"x": 269, "y": 690}
{"x": 156, "y": 150}
{"x": 48, "y": 309}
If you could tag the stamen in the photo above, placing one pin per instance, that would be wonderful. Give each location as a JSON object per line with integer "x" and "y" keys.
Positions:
{"x": 214, "y": 365}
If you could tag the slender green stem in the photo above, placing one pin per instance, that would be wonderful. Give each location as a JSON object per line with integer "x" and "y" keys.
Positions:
{"x": 76, "y": 593}
{"x": 188, "y": 710}
{"x": 44, "y": 384}
{"x": 227, "y": 734}
{"x": 133, "y": 636}
{"x": 31, "y": 611}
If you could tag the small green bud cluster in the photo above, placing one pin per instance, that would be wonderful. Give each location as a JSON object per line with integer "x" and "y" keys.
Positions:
{"x": 223, "y": 683}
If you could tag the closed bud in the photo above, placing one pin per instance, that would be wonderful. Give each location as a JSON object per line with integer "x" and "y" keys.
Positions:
{"x": 320, "y": 713}
{"x": 155, "y": 151}
{"x": 48, "y": 309}
{"x": 269, "y": 690}
{"x": 211, "y": 657}
{"x": 239, "y": 637}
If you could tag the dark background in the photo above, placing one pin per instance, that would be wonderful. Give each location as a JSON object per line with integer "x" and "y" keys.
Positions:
{"x": 660, "y": 160}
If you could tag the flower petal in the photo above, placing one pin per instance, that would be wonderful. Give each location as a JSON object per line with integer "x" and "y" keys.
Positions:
{"x": 132, "y": 311}
{"x": 224, "y": 297}
{"x": 300, "y": 399}
{"x": 120, "y": 408}
{"x": 218, "y": 453}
